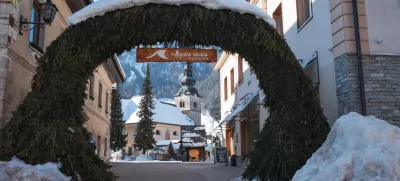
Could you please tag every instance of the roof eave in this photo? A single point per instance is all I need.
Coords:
(221, 61)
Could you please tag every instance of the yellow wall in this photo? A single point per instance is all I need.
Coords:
(98, 123)
(130, 128)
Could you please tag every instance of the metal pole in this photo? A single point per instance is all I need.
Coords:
(359, 58)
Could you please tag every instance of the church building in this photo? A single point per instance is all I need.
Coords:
(188, 100)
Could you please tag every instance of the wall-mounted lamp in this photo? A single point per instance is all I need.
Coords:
(379, 41)
(48, 10)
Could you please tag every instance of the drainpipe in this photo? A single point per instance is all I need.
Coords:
(359, 59)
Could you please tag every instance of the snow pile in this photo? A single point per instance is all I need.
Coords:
(116, 154)
(144, 158)
(164, 113)
(100, 7)
(18, 170)
(357, 148)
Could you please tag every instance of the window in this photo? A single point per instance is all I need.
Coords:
(304, 12)
(240, 69)
(181, 104)
(277, 15)
(100, 94)
(106, 107)
(195, 104)
(175, 133)
(232, 80)
(36, 34)
(167, 135)
(158, 132)
(105, 146)
(226, 88)
(91, 87)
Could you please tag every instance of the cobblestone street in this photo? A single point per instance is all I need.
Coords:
(174, 172)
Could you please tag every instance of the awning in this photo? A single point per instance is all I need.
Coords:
(243, 103)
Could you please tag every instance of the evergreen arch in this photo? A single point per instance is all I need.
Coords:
(47, 126)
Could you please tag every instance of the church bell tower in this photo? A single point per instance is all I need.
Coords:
(188, 99)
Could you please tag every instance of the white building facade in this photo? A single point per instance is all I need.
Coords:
(323, 36)
(241, 114)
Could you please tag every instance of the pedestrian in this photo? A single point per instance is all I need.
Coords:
(184, 155)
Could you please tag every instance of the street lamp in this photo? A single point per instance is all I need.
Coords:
(48, 10)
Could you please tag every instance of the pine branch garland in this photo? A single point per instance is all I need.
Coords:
(295, 129)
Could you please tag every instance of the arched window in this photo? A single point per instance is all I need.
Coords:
(175, 133)
(158, 132)
(181, 104)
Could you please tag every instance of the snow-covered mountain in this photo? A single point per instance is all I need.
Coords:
(166, 77)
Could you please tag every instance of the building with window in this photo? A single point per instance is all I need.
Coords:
(328, 44)
(18, 60)
(241, 114)
(168, 119)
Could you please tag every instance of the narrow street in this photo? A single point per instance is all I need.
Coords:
(174, 172)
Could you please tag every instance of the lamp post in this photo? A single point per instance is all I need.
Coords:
(48, 12)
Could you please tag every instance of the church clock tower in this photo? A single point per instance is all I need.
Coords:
(188, 99)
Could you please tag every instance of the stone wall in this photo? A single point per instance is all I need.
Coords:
(7, 33)
(382, 85)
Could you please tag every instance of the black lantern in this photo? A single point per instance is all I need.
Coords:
(48, 12)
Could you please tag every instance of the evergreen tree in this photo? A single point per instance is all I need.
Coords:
(144, 138)
(118, 139)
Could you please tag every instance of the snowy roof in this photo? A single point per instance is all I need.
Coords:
(164, 113)
(100, 7)
(357, 148)
(167, 100)
(166, 142)
(192, 137)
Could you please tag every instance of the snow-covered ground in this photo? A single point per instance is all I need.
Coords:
(17, 170)
(357, 148)
(100, 7)
(144, 158)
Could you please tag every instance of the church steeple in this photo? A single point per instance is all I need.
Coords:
(187, 79)
(188, 82)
